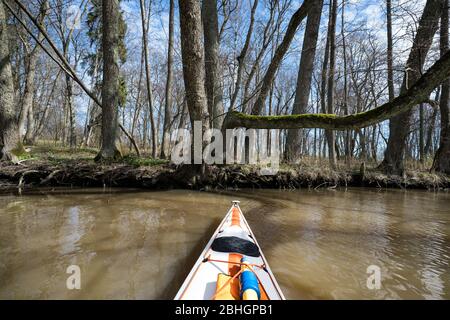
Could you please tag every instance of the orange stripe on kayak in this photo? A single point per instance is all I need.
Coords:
(235, 217)
(234, 268)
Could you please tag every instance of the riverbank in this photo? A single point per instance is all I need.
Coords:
(160, 176)
(57, 166)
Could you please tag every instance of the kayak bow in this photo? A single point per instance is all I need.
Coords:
(232, 266)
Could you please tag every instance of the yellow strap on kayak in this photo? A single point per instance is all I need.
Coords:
(230, 279)
(230, 289)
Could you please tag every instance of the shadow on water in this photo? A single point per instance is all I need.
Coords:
(185, 265)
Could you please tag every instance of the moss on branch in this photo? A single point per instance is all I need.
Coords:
(415, 95)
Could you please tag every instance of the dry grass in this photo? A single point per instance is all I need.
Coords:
(308, 172)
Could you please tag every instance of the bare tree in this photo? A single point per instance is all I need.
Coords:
(281, 50)
(110, 87)
(330, 93)
(390, 70)
(442, 159)
(168, 92)
(147, 78)
(400, 124)
(10, 144)
(302, 92)
(243, 54)
(214, 90)
(192, 51)
(26, 119)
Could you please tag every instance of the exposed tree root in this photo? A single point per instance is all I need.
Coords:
(88, 174)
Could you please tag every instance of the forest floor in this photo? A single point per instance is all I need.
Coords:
(51, 166)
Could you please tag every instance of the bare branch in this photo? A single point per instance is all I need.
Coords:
(418, 93)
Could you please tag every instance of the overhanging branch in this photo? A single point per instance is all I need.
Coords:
(415, 95)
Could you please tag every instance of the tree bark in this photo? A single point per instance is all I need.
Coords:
(421, 134)
(10, 143)
(168, 93)
(303, 89)
(416, 94)
(399, 125)
(193, 59)
(43, 118)
(26, 117)
(281, 50)
(324, 74)
(214, 90)
(348, 133)
(430, 131)
(70, 112)
(137, 106)
(390, 69)
(330, 93)
(110, 86)
(441, 162)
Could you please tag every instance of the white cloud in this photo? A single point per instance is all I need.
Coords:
(375, 16)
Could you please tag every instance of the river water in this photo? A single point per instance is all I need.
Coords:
(131, 244)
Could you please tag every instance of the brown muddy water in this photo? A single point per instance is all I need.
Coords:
(131, 244)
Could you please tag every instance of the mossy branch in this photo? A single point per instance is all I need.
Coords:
(415, 95)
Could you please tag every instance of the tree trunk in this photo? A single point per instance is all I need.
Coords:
(69, 105)
(243, 55)
(430, 131)
(110, 85)
(399, 125)
(421, 134)
(281, 50)
(93, 111)
(348, 133)
(441, 162)
(70, 112)
(28, 94)
(390, 70)
(148, 80)
(303, 89)
(168, 103)
(137, 106)
(192, 52)
(44, 116)
(330, 93)
(374, 143)
(184, 111)
(362, 144)
(10, 143)
(27, 115)
(324, 74)
(214, 90)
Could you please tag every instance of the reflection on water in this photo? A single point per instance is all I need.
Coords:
(140, 245)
